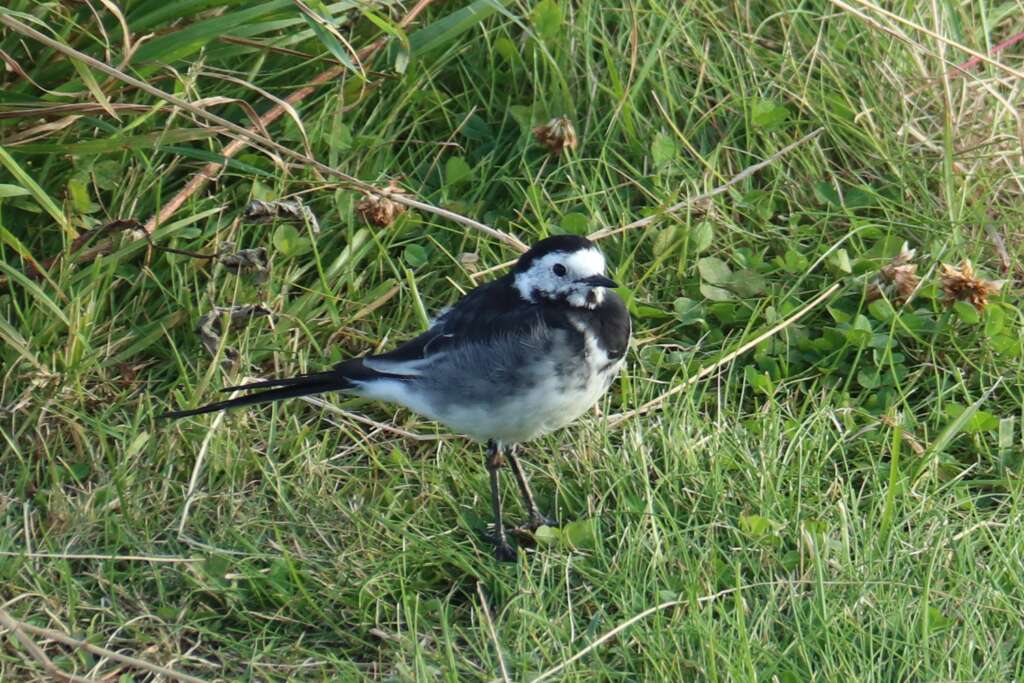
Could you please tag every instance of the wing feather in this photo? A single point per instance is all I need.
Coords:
(490, 311)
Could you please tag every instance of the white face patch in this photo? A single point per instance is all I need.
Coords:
(543, 281)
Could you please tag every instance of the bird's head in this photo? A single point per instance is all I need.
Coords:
(564, 268)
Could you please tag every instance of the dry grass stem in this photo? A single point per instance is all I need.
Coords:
(19, 628)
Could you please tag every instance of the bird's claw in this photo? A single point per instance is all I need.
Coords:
(526, 531)
(539, 520)
(503, 552)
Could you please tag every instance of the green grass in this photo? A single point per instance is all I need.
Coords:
(843, 502)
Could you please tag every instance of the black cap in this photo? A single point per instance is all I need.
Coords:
(559, 243)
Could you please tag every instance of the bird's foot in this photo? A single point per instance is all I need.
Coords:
(503, 552)
(535, 522)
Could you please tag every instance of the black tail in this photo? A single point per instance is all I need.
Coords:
(303, 385)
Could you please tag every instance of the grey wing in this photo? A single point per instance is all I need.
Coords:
(414, 356)
(478, 339)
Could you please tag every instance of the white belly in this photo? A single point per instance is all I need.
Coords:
(533, 413)
(545, 406)
(471, 394)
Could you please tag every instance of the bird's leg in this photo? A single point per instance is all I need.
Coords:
(536, 519)
(493, 461)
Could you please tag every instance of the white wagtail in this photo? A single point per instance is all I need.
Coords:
(514, 359)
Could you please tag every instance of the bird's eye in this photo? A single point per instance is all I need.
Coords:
(559, 270)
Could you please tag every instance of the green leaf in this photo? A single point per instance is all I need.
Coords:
(8, 238)
(761, 381)
(701, 237)
(838, 314)
(688, 311)
(1004, 344)
(642, 311)
(506, 48)
(761, 204)
(575, 224)
(840, 260)
(340, 138)
(546, 19)
(547, 536)
(107, 174)
(995, 319)
(827, 194)
(456, 171)
(415, 255)
(136, 446)
(12, 191)
(794, 262)
(1006, 433)
(527, 117)
(727, 313)
(581, 534)
(714, 270)
(402, 61)
(288, 241)
(747, 283)
(976, 422)
(768, 114)
(247, 163)
(716, 293)
(937, 621)
(665, 240)
(860, 322)
(859, 197)
(966, 312)
(476, 128)
(869, 379)
(78, 189)
(216, 566)
(756, 525)
(79, 471)
(663, 149)
(881, 309)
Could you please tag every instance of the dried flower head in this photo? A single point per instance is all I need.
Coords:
(557, 135)
(211, 328)
(961, 284)
(246, 261)
(897, 279)
(379, 209)
(287, 210)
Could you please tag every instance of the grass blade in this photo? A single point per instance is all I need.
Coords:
(443, 32)
(951, 431)
(94, 88)
(38, 193)
(328, 35)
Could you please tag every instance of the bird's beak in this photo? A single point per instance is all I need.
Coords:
(599, 281)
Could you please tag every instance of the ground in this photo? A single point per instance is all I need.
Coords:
(809, 469)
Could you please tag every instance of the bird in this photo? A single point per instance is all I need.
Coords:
(514, 359)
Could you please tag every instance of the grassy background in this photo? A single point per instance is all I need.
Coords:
(843, 502)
